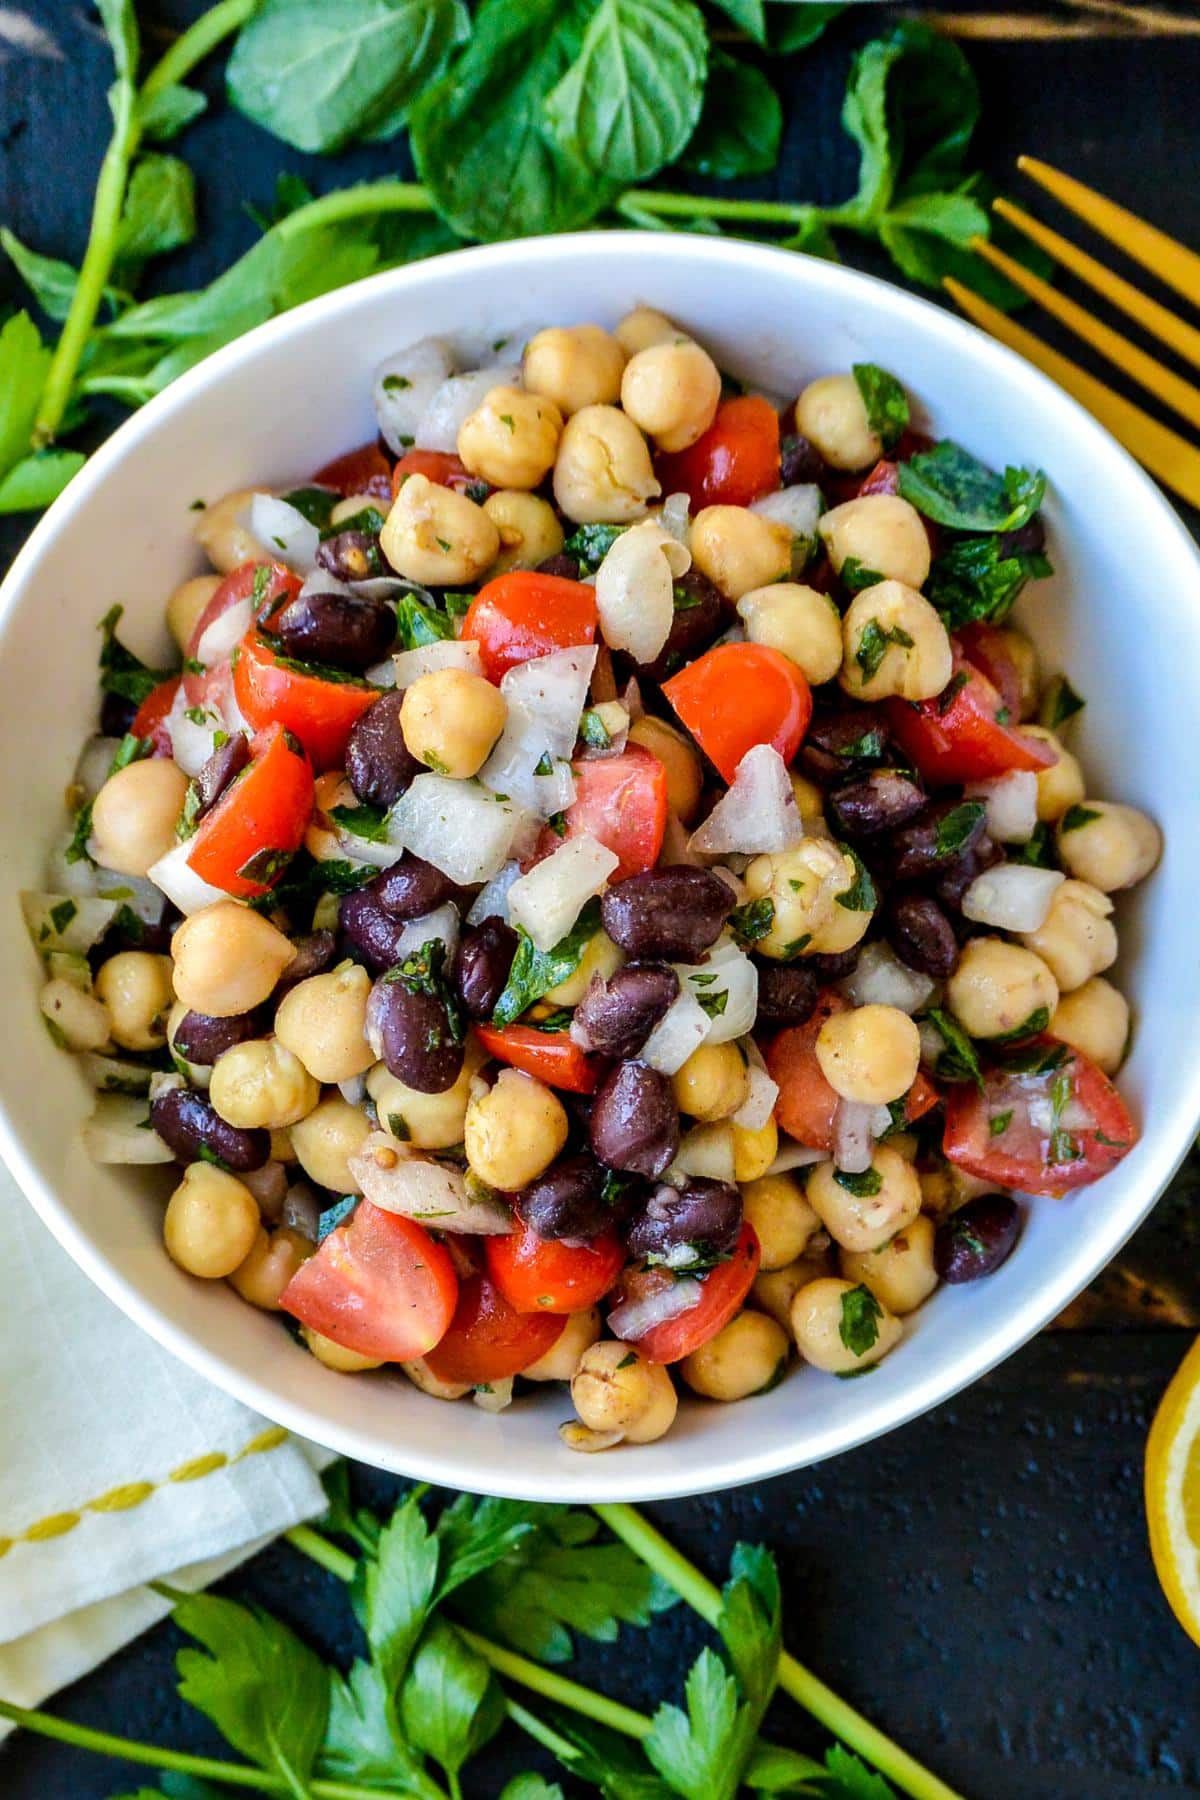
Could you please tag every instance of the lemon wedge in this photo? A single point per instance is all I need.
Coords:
(1173, 1493)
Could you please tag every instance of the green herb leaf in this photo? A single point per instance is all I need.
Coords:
(741, 123)
(854, 577)
(1060, 702)
(885, 401)
(450, 1704)
(1076, 817)
(855, 1781)
(955, 827)
(364, 821)
(860, 896)
(958, 1061)
(749, 14)
(1037, 1021)
(973, 579)
(874, 641)
(424, 972)
(49, 280)
(593, 731)
(121, 672)
(314, 504)
(531, 1787)
(23, 365)
(1038, 853)
(858, 1327)
(363, 1740)
(793, 27)
(954, 488)
(159, 214)
(752, 921)
(534, 972)
(36, 480)
(863, 1186)
(1036, 1059)
(590, 544)
(418, 624)
(999, 1123)
(398, 1587)
(714, 1004)
(691, 1750)
(163, 115)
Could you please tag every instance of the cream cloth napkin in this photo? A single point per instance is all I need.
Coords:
(118, 1466)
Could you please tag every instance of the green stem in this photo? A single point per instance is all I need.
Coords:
(348, 203)
(197, 42)
(841, 1719)
(715, 206)
(310, 1543)
(540, 1732)
(563, 1692)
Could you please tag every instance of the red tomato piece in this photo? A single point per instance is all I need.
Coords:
(921, 1098)
(244, 843)
(365, 470)
(739, 695)
(487, 1339)
(437, 466)
(378, 1284)
(725, 1288)
(150, 719)
(622, 802)
(320, 713)
(1058, 1127)
(957, 736)
(240, 584)
(523, 614)
(984, 648)
(807, 1104)
(883, 479)
(734, 462)
(545, 1275)
(550, 1055)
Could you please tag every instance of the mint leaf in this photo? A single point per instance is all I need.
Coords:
(535, 972)
(38, 479)
(418, 624)
(885, 401)
(954, 488)
(956, 826)
(159, 214)
(164, 115)
(741, 123)
(23, 365)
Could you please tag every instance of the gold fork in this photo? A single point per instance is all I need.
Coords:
(1168, 455)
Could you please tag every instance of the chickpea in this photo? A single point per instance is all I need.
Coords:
(323, 1022)
(135, 812)
(561, 1360)
(712, 1083)
(900, 1273)
(601, 957)
(135, 986)
(79, 1018)
(511, 438)
(643, 327)
(865, 1219)
(1061, 785)
(603, 473)
(740, 550)
(528, 527)
(326, 1138)
(797, 621)
(1111, 846)
(227, 958)
(894, 643)
(437, 537)
(707, 1150)
(685, 778)
(809, 798)
(944, 1188)
(336, 1356)
(451, 720)
(775, 1289)
(211, 1222)
(822, 1312)
(320, 836)
(186, 604)
(671, 392)
(261, 1085)
(999, 988)
(1077, 938)
(845, 927)
(747, 1356)
(575, 366)
(1024, 658)
(223, 536)
(614, 1388)
(754, 1150)
(281, 1148)
(270, 1264)
(782, 1218)
(832, 414)
(513, 1131)
(1095, 1020)
(350, 507)
(880, 532)
(869, 1054)
(423, 1377)
(426, 1121)
(802, 884)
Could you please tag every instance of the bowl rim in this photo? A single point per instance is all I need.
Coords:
(1028, 1316)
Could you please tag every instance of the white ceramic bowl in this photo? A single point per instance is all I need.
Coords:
(1122, 615)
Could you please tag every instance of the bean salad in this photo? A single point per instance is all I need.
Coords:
(605, 894)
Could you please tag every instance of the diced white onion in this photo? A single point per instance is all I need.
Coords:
(491, 902)
(380, 853)
(705, 1150)
(137, 892)
(853, 1143)
(459, 826)
(1044, 1116)
(675, 516)
(635, 586)
(455, 400)
(381, 674)
(399, 1181)
(758, 813)
(880, 979)
(881, 1122)
(404, 384)
(791, 1155)
(180, 883)
(74, 928)
(427, 659)
(798, 508)
(1011, 897)
(932, 1042)
(354, 1089)
(545, 698)
(494, 1396)
(1011, 802)
(442, 923)
(283, 531)
(95, 761)
(682, 1029)
(191, 738)
(221, 636)
(547, 901)
(75, 878)
(761, 1094)
(730, 972)
(633, 1320)
(118, 1132)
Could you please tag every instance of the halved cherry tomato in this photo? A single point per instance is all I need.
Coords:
(622, 802)
(739, 695)
(378, 1284)
(320, 713)
(1057, 1126)
(487, 1339)
(246, 582)
(365, 470)
(545, 1275)
(550, 1055)
(984, 648)
(807, 1104)
(957, 736)
(244, 843)
(150, 719)
(724, 1289)
(437, 466)
(523, 614)
(734, 462)
(921, 1098)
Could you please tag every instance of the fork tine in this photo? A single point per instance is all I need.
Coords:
(1156, 318)
(1167, 455)
(1162, 382)
(1170, 261)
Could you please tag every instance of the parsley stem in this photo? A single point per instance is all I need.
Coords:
(558, 1688)
(804, 1687)
(197, 42)
(310, 1543)
(540, 1732)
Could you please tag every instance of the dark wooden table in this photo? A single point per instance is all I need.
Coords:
(978, 1582)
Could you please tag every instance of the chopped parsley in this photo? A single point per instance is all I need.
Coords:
(885, 401)
(364, 821)
(854, 577)
(594, 731)
(874, 642)
(859, 1324)
(958, 1061)
(999, 1123)
(121, 672)
(860, 896)
(752, 921)
(957, 826)
(864, 1186)
(714, 1004)
(1077, 816)
(1060, 702)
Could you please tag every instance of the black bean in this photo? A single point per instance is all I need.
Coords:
(635, 1121)
(933, 844)
(880, 801)
(673, 913)
(314, 951)
(976, 1239)
(835, 965)
(222, 768)
(840, 740)
(414, 1035)
(704, 1216)
(200, 1038)
(984, 854)
(615, 1017)
(700, 615)
(921, 935)
(412, 887)
(352, 556)
(481, 968)
(347, 631)
(787, 992)
(190, 1125)
(116, 715)
(370, 932)
(799, 461)
(378, 761)
(561, 565)
(567, 1201)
